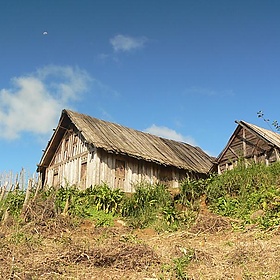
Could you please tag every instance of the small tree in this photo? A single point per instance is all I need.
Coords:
(274, 123)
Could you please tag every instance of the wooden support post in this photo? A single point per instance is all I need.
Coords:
(38, 187)
(65, 210)
(3, 191)
(26, 199)
(255, 159)
(244, 143)
(266, 159)
(244, 146)
(5, 216)
(276, 154)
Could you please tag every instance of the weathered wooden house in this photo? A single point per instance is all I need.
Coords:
(87, 151)
(251, 143)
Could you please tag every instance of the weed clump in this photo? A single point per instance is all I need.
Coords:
(245, 190)
(150, 205)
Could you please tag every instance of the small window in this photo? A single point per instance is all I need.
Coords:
(120, 168)
(55, 179)
(66, 148)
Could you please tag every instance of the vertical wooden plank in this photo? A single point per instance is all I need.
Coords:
(111, 169)
(102, 168)
(26, 199)
(276, 154)
(175, 179)
(128, 180)
(37, 187)
(98, 164)
(106, 168)
(244, 142)
(266, 159)
(88, 171)
(255, 159)
(3, 191)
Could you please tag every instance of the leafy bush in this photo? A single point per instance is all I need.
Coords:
(244, 190)
(192, 189)
(83, 203)
(105, 198)
(147, 204)
(237, 193)
(13, 201)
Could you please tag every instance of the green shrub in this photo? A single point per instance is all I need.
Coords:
(243, 190)
(13, 201)
(105, 198)
(82, 202)
(192, 189)
(181, 263)
(148, 204)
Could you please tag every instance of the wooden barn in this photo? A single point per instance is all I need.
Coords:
(86, 151)
(251, 143)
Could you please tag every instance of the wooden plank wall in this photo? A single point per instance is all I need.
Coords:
(250, 147)
(67, 161)
(100, 167)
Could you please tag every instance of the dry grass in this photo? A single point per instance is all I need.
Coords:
(60, 249)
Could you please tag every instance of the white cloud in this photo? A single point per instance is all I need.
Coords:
(34, 102)
(127, 43)
(168, 133)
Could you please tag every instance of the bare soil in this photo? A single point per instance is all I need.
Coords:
(59, 249)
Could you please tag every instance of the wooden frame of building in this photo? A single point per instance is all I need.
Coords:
(86, 151)
(251, 143)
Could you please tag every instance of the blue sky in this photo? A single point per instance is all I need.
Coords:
(181, 69)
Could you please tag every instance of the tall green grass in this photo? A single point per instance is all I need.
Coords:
(240, 192)
(150, 205)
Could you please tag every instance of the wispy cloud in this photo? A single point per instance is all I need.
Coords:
(122, 43)
(208, 92)
(34, 101)
(168, 133)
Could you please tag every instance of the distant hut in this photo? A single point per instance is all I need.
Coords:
(86, 151)
(251, 143)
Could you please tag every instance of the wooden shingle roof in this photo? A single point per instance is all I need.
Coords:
(268, 135)
(119, 139)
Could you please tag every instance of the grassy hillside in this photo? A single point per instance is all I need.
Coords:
(223, 227)
(251, 194)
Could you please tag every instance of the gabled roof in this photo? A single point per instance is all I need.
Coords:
(118, 139)
(268, 136)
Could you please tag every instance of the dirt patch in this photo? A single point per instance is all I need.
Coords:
(62, 249)
(207, 222)
(118, 255)
(145, 233)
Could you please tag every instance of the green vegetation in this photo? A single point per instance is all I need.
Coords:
(77, 224)
(181, 263)
(85, 203)
(12, 202)
(150, 205)
(250, 194)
